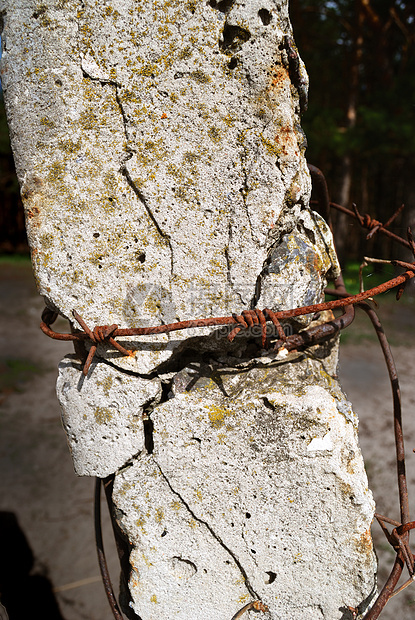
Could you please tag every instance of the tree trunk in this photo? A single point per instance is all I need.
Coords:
(162, 170)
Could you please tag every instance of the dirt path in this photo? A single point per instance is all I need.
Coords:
(46, 526)
(364, 379)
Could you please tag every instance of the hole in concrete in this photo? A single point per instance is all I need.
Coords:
(271, 577)
(268, 404)
(39, 12)
(253, 551)
(141, 257)
(58, 82)
(96, 235)
(232, 63)
(265, 16)
(197, 439)
(247, 515)
(164, 533)
(166, 393)
(223, 5)
(234, 37)
(182, 568)
(148, 435)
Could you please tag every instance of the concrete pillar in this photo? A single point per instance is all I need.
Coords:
(161, 161)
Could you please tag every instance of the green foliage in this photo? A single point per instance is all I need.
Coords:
(360, 57)
(371, 277)
(327, 35)
(15, 372)
(13, 259)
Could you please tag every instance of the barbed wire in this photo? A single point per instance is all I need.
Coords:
(398, 537)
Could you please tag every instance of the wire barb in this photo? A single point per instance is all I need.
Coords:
(257, 605)
(248, 318)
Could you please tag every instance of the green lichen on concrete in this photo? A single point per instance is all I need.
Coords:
(56, 172)
(47, 122)
(47, 240)
(215, 134)
(217, 415)
(103, 415)
(106, 384)
(200, 76)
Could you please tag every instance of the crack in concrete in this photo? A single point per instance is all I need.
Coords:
(229, 266)
(143, 200)
(215, 536)
(129, 463)
(129, 150)
(116, 86)
(245, 190)
(129, 154)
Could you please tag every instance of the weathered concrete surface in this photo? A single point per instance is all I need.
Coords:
(257, 483)
(160, 155)
(103, 415)
(162, 167)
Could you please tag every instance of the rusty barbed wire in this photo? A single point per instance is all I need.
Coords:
(102, 561)
(398, 538)
(105, 334)
(257, 605)
(371, 224)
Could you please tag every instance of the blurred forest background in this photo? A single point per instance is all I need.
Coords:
(360, 122)
(12, 228)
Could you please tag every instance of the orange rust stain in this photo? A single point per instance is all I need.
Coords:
(33, 212)
(32, 187)
(164, 115)
(279, 75)
(365, 541)
(287, 140)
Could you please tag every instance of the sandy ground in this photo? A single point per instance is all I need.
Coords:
(46, 512)
(48, 566)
